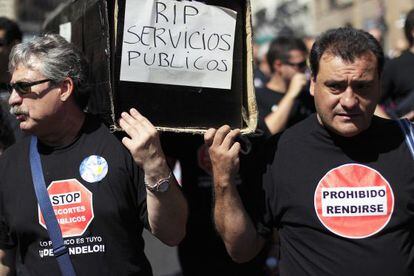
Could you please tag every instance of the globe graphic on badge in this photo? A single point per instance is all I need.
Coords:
(93, 168)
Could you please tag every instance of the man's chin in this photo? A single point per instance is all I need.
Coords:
(348, 129)
(26, 127)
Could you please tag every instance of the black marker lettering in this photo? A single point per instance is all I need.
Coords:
(225, 41)
(195, 63)
(145, 59)
(210, 39)
(172, 39)
(157, 12)
(189, 41)
(157, 36)
(163, 57)
(223, 61)
(130, 57)
(131, 32)
(195, 12)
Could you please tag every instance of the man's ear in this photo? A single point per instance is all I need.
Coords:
(66, 89)
(312, 86)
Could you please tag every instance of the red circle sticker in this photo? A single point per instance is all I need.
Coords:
(354, 201)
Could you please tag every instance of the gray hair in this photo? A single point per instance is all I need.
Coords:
(58, 58)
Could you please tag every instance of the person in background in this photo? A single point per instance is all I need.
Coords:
(6, 133)
(397, 98)
(309, 40)
(281, 102)
(261, 66)
(10, 35)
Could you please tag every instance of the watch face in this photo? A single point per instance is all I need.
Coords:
(163, 186)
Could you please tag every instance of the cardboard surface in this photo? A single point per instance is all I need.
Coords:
(97, 28)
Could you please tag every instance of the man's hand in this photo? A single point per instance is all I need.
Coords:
(230, 218)
(168, 210)
(224, 153)
(296, 85)
(144, 144)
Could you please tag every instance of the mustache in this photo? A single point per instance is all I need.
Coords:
(17, 110)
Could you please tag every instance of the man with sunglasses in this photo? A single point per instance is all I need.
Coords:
(101, 192)
(281, 101)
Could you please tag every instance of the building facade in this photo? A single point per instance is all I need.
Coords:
(8, 8)
(388, 15)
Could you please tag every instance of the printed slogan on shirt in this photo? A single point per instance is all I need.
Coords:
(72, 204)
(354, 201)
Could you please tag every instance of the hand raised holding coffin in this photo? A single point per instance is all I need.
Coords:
(224, 153)
(144, 144)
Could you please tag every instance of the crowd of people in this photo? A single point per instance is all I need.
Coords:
(326, 184)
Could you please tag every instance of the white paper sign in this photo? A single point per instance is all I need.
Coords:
(65, 30)
(179, 43)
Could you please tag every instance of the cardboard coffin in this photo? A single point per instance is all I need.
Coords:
(97, 28)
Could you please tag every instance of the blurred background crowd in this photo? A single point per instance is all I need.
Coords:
(271, 18)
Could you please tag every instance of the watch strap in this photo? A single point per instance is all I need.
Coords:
(156, 187)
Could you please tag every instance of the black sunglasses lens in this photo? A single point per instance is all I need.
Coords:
(300, 65)
(20, 87)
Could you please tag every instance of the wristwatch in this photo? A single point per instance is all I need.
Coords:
(161, 186)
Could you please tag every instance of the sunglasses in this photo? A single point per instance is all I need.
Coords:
(23, 87)
(300, 65)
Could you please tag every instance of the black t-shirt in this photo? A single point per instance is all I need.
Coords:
(260, 79)
(268, 100)
(343, 206)
(202, 252)
(99, 199)
(398, 81)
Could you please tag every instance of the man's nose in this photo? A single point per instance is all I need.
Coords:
(15, 98)
(349, 99)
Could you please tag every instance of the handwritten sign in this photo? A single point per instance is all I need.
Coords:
(179, 43)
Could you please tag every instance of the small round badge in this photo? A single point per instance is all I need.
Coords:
(93, 168)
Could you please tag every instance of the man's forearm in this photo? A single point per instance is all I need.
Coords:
(277, 120)
(232, 221)
(167, 213)
(235, 226)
